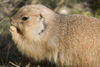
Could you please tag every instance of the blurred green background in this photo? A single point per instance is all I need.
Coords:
(8, 52)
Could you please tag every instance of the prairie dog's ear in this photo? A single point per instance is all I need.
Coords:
(40, 18)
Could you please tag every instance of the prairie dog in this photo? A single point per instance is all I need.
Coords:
(70, 41)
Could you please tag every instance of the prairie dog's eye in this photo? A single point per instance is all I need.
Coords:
(25, 18)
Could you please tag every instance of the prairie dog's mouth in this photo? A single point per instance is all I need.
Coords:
(15, 27)
(18, 30)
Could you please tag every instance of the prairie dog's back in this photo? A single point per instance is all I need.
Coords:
(81, 37)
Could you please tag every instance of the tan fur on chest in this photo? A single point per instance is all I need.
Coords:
(72, 40)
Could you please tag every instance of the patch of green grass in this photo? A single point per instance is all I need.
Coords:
(4, 26)
(96, 8)
(97, 13)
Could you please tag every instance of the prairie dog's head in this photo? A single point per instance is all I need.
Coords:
(32, 19)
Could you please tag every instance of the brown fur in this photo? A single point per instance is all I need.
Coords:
(72, 40)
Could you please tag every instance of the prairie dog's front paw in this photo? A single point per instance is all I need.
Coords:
(13, 30)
